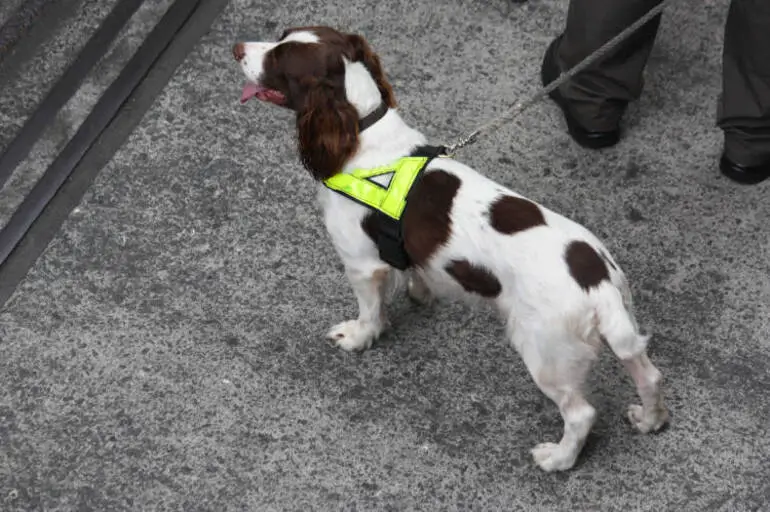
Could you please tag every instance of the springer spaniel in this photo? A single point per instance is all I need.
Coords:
(556, 286)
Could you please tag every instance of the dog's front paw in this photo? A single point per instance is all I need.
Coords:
(553, 457)
(353, 335)
(647, 421)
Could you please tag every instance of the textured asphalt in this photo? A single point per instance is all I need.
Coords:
(166, 351)
(17, 17)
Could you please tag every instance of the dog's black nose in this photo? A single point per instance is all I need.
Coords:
(239, 51)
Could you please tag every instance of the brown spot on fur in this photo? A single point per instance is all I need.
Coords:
(474, 278)
(379, 281)
(380, 275)
(426, 222)
(585, 265)
(510, 214)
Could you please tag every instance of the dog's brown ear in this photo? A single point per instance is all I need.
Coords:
(362, 52)
(327, 128)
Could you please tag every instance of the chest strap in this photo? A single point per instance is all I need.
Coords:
(388, 202)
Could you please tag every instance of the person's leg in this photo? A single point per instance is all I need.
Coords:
(744, 106)
(594, 101)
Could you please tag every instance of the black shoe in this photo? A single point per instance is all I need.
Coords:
(589, 139)
(748, 175)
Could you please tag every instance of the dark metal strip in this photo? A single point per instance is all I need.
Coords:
(97, 121)
(65, 87)
(49, 222)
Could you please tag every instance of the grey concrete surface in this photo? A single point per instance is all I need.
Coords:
(19, 19)
(7, 8)
(166, 352)
(34, 82)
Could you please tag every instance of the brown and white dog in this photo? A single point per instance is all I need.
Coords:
(553, 282)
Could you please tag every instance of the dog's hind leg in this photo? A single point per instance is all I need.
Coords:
(417, 290)
(652, 414)
(559, 364)
(619, 329)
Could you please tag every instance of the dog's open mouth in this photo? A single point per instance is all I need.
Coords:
(252, 90)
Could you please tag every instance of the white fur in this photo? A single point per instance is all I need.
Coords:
(554, 324)
(254, 53)
(360, 88)
(253, 57)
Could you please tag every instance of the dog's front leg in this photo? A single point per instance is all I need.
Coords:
(359, 334)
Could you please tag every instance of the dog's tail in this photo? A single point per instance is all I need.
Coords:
(616, 323)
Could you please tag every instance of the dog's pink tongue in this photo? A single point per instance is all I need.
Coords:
(249, 91)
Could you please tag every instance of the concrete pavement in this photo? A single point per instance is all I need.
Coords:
(166, 353)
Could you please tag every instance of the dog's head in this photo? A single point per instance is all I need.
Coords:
(330, 79)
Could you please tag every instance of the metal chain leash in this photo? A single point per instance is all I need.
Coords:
(522, 105)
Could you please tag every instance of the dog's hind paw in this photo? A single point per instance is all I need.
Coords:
(650, 421)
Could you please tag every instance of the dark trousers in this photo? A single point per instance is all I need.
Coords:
(598, 96)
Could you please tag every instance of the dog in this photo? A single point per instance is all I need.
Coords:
(555, 285)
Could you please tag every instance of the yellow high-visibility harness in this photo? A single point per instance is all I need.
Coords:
(389, 202)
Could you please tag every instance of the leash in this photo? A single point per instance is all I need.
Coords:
(521, 105)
